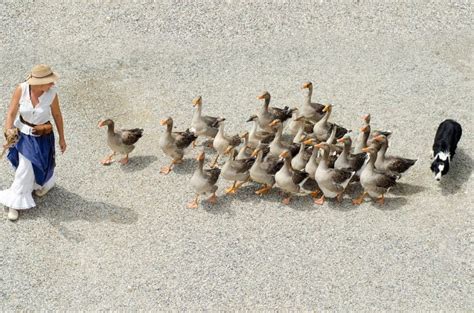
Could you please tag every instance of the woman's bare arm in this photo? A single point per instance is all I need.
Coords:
(13, 108)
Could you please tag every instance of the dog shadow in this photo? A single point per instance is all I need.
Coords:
(138, 163)
(459, 173)
(61, 206)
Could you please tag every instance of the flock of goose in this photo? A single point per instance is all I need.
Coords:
(319, 161)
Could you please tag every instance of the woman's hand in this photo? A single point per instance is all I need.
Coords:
(62, 145)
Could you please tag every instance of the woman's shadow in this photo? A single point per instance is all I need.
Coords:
(61, 205)
(459, 173)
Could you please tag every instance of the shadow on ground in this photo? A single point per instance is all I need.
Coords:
(61, 205)
(459, 173)
(138, 163)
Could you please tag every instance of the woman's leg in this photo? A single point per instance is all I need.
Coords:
(18, 196)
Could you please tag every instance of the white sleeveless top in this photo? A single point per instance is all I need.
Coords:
(34, 115)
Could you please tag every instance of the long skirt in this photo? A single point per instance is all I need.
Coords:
(34, 160)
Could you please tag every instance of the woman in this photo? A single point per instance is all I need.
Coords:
(33, 156)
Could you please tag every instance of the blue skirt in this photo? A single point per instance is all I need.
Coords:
(39, 151)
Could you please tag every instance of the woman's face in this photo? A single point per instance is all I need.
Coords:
(44, 87)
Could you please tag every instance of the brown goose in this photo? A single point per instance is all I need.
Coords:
(204, 181)
(264, 169)
(390, 163)
(203, 125)
(244, 151)
(310, 110)
(236, 170)
(332, 182)
(277, 146)
(322, 129)
(173, 144)
(289, 179)
(256, 136)
(222, 141)
(121, 141)
(267, 114)
(298, 123)
(362, 138)
(375, 182)
(347, 160)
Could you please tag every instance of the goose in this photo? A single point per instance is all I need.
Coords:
(204, 181)
(375, 182)
(120, 141)
(174, 143)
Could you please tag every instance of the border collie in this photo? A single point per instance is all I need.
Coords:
(444, 147)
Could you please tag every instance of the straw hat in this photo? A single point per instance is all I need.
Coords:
(42, 74)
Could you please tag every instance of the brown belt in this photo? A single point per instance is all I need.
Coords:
(30, 124)
(39, 130)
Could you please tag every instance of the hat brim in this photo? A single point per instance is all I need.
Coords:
(44, 80)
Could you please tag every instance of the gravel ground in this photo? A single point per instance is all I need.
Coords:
(122, 238)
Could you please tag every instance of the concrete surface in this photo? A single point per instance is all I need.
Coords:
(111, 238)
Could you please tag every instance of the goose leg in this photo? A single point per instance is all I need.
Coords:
(166, 169)
(108, 159)
(124, 160)
(214, 162)
(212, 199)
(264, 190)
(286, 200)
(339, 197)
(381, 200)
(194, 204)
(231, 189)
(359, 199)
(319, 201)
(314, 194)
(240, 184)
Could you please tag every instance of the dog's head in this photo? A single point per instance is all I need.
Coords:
(440, 165)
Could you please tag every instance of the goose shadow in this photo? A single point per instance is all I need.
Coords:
(61, 205)
(406, 189)
(138, 163)
(459, 173)
(186, 167)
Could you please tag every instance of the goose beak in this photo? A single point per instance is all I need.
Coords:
(327, 107)
(306, 85)
(365, 117)
(163, 122)
(318, 145)
(363, 129)
(274, 122)
(284, 154)
(378, 138)
(340, 139)
(366, 149)
(197, 101)
(228, 150)
(200, 156)
(101, 124)
(260, 97)
(254, 153)
(308, 141)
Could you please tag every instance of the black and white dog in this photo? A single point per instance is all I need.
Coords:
(446, 140)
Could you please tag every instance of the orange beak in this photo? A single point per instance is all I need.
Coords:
(342, 139)
(101, 123)
(255, 152)
(284, 154)
(228, 150)
(274, 122)
(308, 141)
(305, 86)
(327, 107)
(364, 129)
(163, 122)
(378, 138)
(261, 97)
(200, 156)
(318, 145)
